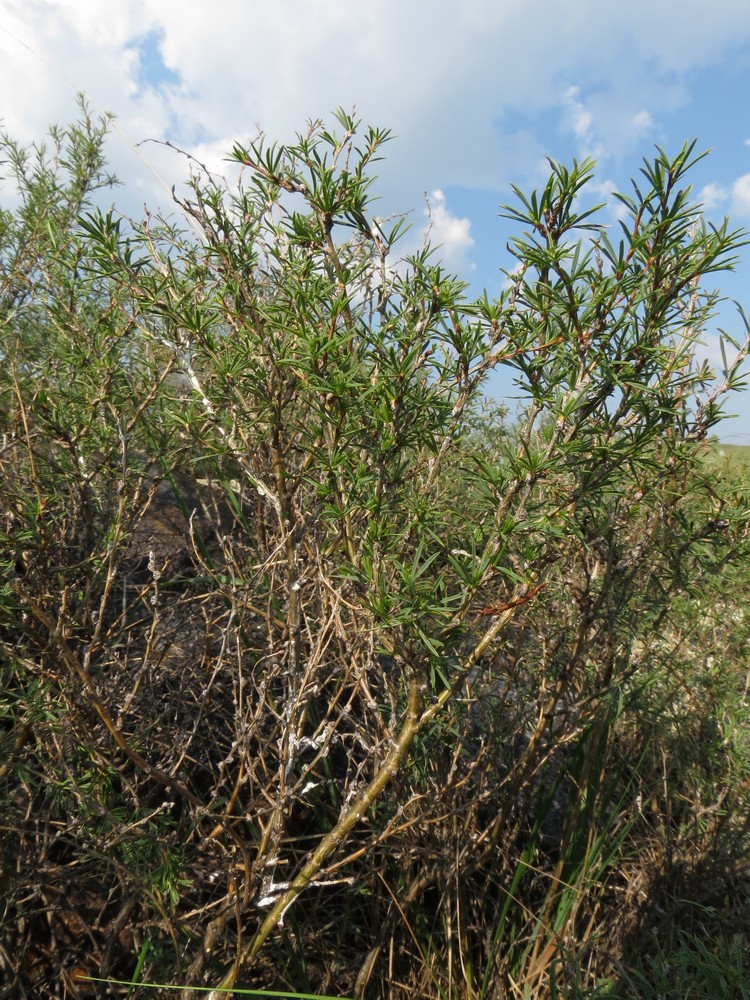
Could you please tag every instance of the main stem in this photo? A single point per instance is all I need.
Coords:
(349, 818)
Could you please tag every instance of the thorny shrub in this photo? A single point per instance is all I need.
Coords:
(315, 674)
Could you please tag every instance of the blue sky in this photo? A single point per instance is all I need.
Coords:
(478, 93)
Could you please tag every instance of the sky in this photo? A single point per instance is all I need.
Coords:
(478, 93)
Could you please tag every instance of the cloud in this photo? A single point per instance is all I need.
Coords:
(741, 195)
(580, 121)
(451, 233)
(472, 91)
(604, 121)
(712, 195)
(642, 121)
(604, 191)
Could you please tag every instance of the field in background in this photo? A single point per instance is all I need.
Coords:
(737, 454)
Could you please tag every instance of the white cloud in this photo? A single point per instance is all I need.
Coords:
(603, 121)
(445, 77)
(712, 195)
(741, 195)
(605, 190)
(451, 233)
(579, 119)
(642, 121)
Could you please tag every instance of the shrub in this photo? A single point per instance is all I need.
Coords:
(314, 676)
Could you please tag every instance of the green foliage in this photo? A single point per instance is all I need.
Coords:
(696, 969)
(291, 611)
